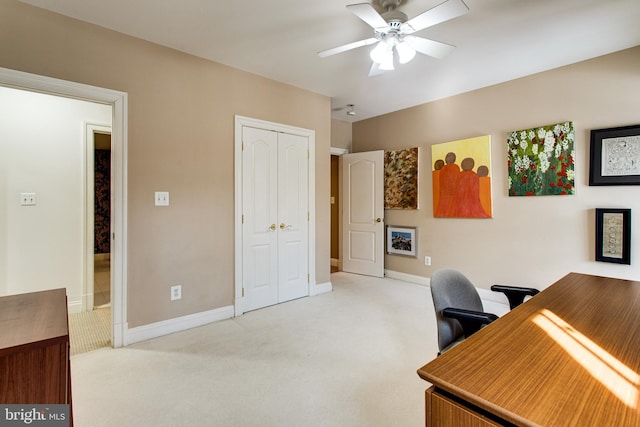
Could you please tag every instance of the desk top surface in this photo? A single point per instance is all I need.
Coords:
(33, 319)
(570, 356)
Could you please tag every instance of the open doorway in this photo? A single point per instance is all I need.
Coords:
(50, 194)
(91, 328)
(102, 219)
(336, 212)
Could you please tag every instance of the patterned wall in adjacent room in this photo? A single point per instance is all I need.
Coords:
(102, 201)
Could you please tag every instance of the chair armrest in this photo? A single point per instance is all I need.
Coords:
(515, 294)
(471, 321)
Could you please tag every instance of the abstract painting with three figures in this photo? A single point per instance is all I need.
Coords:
(462, 178)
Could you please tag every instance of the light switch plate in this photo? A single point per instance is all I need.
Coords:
(27, 199)
(162, 198)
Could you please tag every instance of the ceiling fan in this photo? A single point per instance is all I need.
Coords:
(393, 30)
(349, 107)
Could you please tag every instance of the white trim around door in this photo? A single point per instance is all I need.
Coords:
(335, 151)
(240, 123)
(88, 291)
(118, 101)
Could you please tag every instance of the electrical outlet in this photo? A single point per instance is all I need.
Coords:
(427, 260)
(176, 292)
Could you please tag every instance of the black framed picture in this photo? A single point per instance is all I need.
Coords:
(613, 235)
(615, 156)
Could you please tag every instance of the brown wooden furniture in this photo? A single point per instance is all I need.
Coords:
(568, 357)
(34, 349)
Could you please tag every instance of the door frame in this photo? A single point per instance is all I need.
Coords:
(118, 101)
(240, 122)
(335, 151)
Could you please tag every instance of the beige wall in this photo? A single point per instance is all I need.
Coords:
(181, 130)
(530, 240)
(341, 134)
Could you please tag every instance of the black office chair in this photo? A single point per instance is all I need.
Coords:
(459, 311)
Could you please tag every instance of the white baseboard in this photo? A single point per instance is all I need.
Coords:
(74, 306)
(158, 329)
(418, 280)
(493, 302)
(322, 288)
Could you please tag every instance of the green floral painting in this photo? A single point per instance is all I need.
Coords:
(541, 161)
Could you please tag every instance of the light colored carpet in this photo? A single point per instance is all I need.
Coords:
(90, 330)
(345, 358)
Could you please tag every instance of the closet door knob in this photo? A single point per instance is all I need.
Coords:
(378, 219)
(273, 227)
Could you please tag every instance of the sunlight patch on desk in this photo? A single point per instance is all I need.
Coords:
(622, 381)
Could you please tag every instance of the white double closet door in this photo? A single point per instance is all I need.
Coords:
(275, 206)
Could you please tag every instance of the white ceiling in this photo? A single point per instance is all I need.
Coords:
(497, 40)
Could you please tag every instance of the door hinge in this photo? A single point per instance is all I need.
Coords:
(308, 279)
(243, 218)
(242, 292)
(308, 216)
(113, 236)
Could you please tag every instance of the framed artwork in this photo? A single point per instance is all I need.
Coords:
(615, 156)
(541, 161)
(613, 235)
(401, 179)
(461, 177)
(402, 241)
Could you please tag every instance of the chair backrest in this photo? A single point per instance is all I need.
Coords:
(450, 288)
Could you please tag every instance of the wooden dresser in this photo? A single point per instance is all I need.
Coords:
(34, 349)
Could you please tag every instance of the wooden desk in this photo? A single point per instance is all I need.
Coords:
(568, 357)
(34, 349)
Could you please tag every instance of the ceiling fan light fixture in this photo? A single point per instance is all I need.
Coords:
(380, 52)
(393, 29)
(350, 110)
(406, 52)
(387, 62)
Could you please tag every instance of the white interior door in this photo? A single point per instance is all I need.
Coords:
(275, 198)
(260, 214)
(363, 213)
(293, 217)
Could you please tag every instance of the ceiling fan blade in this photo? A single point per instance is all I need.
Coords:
(368, 14)
(375, 70)
(431, 47)
(347, 47)
(443, 12)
